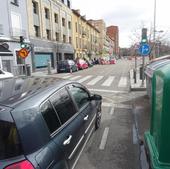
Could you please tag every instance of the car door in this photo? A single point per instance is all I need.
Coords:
(71, 134)
(86, 107)
(51, 155)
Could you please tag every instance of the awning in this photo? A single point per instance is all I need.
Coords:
(5, 52)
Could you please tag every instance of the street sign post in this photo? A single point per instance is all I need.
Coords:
(144, 50)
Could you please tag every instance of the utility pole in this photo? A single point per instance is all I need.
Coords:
(154, 30)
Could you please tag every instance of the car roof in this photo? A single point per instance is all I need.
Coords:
(30, 89)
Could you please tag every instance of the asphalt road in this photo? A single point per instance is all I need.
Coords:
(125, 117)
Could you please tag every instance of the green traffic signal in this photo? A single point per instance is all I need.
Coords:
(144, 35)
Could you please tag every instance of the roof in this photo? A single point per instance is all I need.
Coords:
(17, 90)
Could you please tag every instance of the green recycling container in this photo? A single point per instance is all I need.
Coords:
(157, 139)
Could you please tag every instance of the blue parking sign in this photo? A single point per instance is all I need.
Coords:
(144, 49)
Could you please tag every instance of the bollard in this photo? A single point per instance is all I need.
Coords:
(49, 67)
(134, 75)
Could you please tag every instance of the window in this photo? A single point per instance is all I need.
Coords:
(50, 117)
(37, 31)
(77, 42)
(9, 140)
(64, 38)
(80, 96)
(68, 3)
(63, 21)
(56, 18)
(76, 27)
(47, 14)
(15, 2)
(69, 24)
(63, 105)
(57, 36)
(35, 7)
(48, 34)
(70, 40)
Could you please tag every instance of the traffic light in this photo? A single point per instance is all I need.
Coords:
(144, 35)
(22, 43)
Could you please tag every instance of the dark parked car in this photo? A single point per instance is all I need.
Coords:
(66, 66)
(45, 122)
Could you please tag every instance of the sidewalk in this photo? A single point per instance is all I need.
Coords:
(138, 85)
(45, 73)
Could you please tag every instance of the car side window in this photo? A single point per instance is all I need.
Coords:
(80, 95)
(63, 105)
(50, 117)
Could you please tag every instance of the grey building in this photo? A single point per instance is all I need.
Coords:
(13, 24)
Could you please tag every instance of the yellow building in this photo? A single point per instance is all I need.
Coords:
(85, 37)
(50, 31)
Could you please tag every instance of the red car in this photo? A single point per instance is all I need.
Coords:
(112, 61)
(82, 64)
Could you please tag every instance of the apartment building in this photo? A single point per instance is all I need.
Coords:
(13, 24)
(113, 32)
(101, 26)
(85, 37)
(50, 31)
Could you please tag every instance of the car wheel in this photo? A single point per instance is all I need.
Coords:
(98, 118)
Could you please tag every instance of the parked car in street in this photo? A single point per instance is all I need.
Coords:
(112, 61)
(66, 66)
(5, 75)
(82, 64)
(45, 122)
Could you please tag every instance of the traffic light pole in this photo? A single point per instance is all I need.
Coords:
(143, 65)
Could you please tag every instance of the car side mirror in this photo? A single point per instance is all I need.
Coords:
(95, 97)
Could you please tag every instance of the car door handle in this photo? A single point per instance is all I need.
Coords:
(66, 142)
(86, 118)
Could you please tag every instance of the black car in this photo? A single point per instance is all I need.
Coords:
(45, 122)
(66, 66)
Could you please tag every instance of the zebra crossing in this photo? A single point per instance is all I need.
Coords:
(103, 81)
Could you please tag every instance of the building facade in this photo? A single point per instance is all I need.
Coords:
(85, 37)
(13, 24)
(50, 32)
(103, 41)
(113, 32)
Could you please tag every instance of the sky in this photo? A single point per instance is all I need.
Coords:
(128, 15)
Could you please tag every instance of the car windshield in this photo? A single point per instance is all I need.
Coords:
(63, 62)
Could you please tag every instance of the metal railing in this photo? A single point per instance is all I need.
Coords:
(22, 70)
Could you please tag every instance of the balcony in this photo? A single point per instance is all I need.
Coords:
(16, 32)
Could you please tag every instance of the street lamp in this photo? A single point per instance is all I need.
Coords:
(154, 28)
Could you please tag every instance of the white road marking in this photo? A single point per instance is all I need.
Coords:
(84, 79)
(123, 82)
(75, 77)
(95, 80)
(112, 111)
(66, 77)
(104, 138)
(105, 104)
(108, 91)
(135, 138)
(108, 81)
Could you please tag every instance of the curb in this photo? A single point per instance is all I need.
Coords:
(136, 86)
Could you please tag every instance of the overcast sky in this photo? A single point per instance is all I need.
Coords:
(128, 15)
